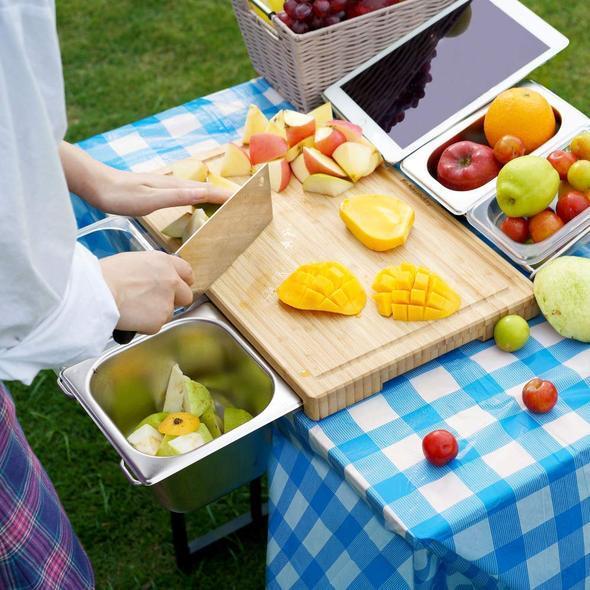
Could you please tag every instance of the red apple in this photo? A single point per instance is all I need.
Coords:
(279, 172)
(327, 139)
(351, 131)
(539, 396)
(317, 163)
(508, 148)
(561, 161)
(516, 228)
(265, 147)
(299, 168)
(571, 204)
(466, 165)
(298, 126)
(440, 447)
(544, 224)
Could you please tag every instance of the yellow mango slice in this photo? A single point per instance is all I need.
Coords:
(380, 222)
(323, 286)
(413, 294)
(179, 423)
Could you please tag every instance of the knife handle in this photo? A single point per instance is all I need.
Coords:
(123, 336)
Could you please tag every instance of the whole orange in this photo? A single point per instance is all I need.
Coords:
(521, 112)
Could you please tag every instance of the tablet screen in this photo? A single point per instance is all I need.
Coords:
(441, 70)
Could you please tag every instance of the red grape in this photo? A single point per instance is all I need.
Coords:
(331, 20)
(284, 17)
(299, 27)
(289, 7)
(303, 12)
(321, 7)
(316, 22)
(338, 5)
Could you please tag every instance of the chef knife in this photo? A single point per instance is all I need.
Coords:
(213, 248)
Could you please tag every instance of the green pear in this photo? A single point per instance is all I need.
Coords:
(175, 390)
(165, 450)
(562, 290)
(234, 417)
(196, 398)
(209, 419)
(154, 420)
(526, 186)
(146, 439)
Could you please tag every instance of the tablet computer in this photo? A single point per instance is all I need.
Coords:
(442, 71)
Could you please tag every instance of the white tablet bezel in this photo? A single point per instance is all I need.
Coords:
(390, 150)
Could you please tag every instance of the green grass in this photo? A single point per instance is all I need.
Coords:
(123, 61)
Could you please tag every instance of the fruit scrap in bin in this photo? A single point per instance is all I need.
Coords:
(412, 293)
(323, 286)
(380, 222)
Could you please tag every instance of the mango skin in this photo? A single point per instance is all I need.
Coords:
(562, 290)
(379, 222)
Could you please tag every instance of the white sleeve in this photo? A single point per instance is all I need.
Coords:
(78, 329)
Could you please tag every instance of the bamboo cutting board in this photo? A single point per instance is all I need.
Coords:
(333, 361)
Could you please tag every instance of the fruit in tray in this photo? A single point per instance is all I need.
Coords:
(413, 293)
(530, 179)
(517, 122)
(380, 222)
(189, 419)
(467, 165)
(302, 16)
(521, 112)
(526, 186)
(562, 290)
(323, 286)
(580, 146)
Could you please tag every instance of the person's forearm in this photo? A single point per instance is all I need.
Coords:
(84, 174)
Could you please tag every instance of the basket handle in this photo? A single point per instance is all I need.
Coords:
(262, 7)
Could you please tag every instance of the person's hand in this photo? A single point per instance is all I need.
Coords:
(147, 286)
(128, 193)
(134, 194)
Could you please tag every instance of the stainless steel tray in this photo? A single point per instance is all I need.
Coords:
(420, 165)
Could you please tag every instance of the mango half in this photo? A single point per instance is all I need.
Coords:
(323, 286)
(380, 222)
(413, 293)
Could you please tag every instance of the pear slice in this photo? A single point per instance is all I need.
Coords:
(190, 442)
(174, 391)
(234, 417)
(209, 418)
(146, 439)
(196, 398)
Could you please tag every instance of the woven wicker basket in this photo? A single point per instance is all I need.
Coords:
(301, 67)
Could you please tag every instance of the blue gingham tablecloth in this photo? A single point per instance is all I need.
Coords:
(353, 503)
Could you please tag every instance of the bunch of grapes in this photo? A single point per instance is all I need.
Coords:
(302, 16)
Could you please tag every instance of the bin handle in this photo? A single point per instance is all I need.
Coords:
(130, 477)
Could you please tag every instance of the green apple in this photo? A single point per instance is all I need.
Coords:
(511, 333)
(526, 186)
(196, 398)
(562, 290)
(578, 175)
(234, 417)
(154, 420)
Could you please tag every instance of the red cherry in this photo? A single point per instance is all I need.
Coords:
(571, 204)
(516, 228)
(539, 396)
(561, 161)
(440, 447)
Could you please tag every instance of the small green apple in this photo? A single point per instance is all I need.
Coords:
(580, 145)
(511, 333)
(234, 417)
(578, 175)
(526, 186)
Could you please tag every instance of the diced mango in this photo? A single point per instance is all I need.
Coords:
(411, 293)
(380, 222)
(323, 286)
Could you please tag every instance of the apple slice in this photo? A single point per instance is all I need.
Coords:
(265, 147)
(326, 185)
(299, 168)
(322, 114)
(327, 139)
(276, 125)
(298, 126)
(317, 163)
(220, 182)
(298, 148)
(256, 122)
(176, 228)
(351, 131)
(190, 170)
(355, 159)
(376, 160)
(279, 172)
(235, 162)
(198, 219)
